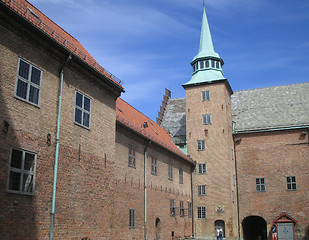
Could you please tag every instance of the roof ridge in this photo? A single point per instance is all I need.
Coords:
(285, 85)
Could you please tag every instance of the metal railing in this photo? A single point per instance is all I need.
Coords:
(19, 7)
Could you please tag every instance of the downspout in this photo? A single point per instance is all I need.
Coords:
(236, 179)
(145, 190)
(192, 214)
(57, 149)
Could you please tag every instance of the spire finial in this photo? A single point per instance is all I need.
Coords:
(203, 3)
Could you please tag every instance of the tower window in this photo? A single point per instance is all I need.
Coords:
(202, 168)
(201, 64)
(212, 63)
(201, 145)
(205, 95)
(217, 65)
(207, 63)
(201, 212)
(201, 190)
(207, 119)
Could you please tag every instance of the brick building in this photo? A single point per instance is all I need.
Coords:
(76, 161)
(251, 149)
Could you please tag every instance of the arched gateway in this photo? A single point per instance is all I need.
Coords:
(254, 228)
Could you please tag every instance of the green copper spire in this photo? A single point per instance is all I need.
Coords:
(207, 64)
(206, 45)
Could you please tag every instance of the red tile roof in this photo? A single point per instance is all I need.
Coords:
(47, 26)
(138, 122)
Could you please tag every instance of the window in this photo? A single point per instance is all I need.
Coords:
(172, 208)
(202, 168)
(233, 196)
(207, 119)
(201, 212)
(260, 184)
(181, 209)
(189, 209)
(201, 190)
(180, 175)
(205, 95)
(200, 145)
(131, 218)
(82, 109)
(132, 156)
(28, 82)
(21, 177)
(291, 183)
(170, 172)
(154, 165)
(207, 63)
(217, 65)
(201, 64)
(212, 63)
(232, 152)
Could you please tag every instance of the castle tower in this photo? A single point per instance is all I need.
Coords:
(210, 142)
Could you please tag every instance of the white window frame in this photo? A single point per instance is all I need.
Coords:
(181, 209)
(291, 183)
(260, 184)
(207, 119)
(201, 145)
(180, 175)
(201, 212)
(28, 82)
(154, 166)
(131, 156)
(206, 95)
(201, 190)
(202, 168)
(22, 171)
(131, 218)
(83, 110)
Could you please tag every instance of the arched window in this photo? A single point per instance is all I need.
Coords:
(207, 63)
(201, 64)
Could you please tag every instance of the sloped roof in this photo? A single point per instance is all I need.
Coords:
(261, 109)
(31, 14)
(135, 120)
(271, 108)
(174, 119)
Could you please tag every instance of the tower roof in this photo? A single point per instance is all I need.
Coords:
(206, 46)
(207, 64)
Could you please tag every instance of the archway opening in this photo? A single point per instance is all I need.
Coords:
(254, 228)
(219, 224)
(158, 228)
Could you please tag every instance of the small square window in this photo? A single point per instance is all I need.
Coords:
(205, 95)
(154, 165)
(180, 176)
(291, 183)
(201, 190)
(131, 156)
(260, 184)
(22, 167)
(131, 218)
(82, 110)
(201, 145)
(202, 168)
(207, 119)
(201, 212)
(28, 82)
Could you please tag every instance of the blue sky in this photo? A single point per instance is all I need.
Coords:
(149, 44)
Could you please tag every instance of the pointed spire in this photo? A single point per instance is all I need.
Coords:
(207, 64)
(206, 45)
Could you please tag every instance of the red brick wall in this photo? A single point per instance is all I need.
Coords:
(274, 155)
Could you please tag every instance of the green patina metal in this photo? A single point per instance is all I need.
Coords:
(206, 52)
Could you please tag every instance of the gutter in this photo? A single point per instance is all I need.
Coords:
(57, 149)
(270, 129)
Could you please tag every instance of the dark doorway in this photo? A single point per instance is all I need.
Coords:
(219, 224)
(158, 228)
(254, 228)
